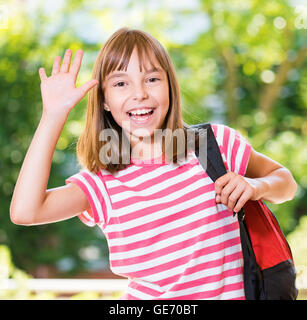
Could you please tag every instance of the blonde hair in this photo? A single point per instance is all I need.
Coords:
(115, 55)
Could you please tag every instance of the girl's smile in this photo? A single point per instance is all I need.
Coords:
(141, 115)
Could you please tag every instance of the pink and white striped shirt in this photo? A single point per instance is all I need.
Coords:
(164, 230)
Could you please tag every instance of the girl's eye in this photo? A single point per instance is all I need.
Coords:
(119, 84)
(153, 79)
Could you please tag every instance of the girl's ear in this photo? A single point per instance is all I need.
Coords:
(106, 107)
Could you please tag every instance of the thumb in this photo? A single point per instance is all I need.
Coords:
(87, 86)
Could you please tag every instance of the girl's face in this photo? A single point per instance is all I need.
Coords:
(132, 91)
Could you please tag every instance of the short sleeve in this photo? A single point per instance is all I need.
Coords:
(234, 147)
(94, 188)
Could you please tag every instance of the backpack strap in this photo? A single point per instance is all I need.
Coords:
(215, 165)
(215, 168)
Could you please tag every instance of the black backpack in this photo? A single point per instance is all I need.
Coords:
(268, 270)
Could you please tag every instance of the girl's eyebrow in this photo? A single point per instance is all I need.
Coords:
(120, 74)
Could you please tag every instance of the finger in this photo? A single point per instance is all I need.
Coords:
(241, 202)
(66, 61)
(56, 65)
(234, 197)
(42, 74)
(218, 199)
(77, 63)
(221, 182)
(227, 191)
(87, 86)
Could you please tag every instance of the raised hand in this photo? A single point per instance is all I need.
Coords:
(59, 92)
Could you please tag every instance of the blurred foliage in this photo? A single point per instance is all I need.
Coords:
(9, 271)
(239, 63)
(297, 240)
(22, 291)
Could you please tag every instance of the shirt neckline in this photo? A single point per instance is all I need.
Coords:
(152, 161)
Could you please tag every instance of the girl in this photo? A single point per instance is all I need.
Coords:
(169, 228)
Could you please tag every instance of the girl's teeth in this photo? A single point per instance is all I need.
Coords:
(141, 117)
(141, 113)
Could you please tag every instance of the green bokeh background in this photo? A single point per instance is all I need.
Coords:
(241, 63)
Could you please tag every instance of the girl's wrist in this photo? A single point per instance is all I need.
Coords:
(54, 116)
(261, 188)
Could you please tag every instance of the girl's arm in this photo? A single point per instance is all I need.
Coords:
(31, 203)
(275, 182)
(264, 179)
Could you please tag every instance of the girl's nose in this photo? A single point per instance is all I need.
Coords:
(140, 93)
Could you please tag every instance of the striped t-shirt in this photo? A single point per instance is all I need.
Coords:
(164, 230)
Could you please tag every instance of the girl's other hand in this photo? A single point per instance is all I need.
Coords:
(234, 190)
(59, 92)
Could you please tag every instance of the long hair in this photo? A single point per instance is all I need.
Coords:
(115, 55)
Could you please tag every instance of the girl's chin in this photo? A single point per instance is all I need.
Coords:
(139, 132)
(141, 135)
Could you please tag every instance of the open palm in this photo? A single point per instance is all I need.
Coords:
(59, 92)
